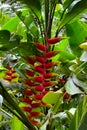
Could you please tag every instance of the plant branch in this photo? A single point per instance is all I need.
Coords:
(13, 103)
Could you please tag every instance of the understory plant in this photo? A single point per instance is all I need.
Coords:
(43, 75)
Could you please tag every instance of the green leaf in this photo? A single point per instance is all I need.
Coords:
(32, 3)
(11, 24)
(67, 3)
(75, 11)
(17, 124)
(4, 36)
(83, 125)
(66, 56)
(71, 88)
(77, 33)
(80, 116)
(51, 97)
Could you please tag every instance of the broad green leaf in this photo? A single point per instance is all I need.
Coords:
(51, 97)
(31, 3)
(66, 56)
(67, 3)
(11, 25)
(4, 36)
(71, 88)
(16, 124)
(83, 125)
(75, 11)
(81, 84)
(77, 33)
(80, 116)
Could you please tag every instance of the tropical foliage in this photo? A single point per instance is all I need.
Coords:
(43, 61)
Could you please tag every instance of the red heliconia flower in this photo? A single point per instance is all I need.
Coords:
(53, 40)
(39, 69)
(34, 122)
(51, 54)
(28, 82)
(9, 67)
(35, 105)
(40, 59)
(39, 88)
(46, 84)
(49, 65)
(45, 92)
(30, 60)
(12, 70)
(9, 78)
(47, 75)
(38, 96)
(27, 109)
(39, 79)
(27, 100)
(29, 72)
(41, 47)
(9, 73)
(14, 76)
(28, 92)
(36, 114)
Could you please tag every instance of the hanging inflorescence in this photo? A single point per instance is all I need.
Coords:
(40, 79)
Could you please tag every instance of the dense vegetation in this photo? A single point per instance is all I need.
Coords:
(43, 64)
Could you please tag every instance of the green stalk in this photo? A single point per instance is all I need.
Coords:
(15, 106)
(46, 2)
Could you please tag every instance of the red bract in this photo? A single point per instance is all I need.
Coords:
(41, 47)
(12, 70)
(34, 122)
(49, 65)
(51, 54)
(47, 75)
(28, 92)
(9, 78)
(30, 60)
(39, 69)
(35, 105)
(40, 59)
(46, 84)
(29, 72)
(36, 114)
(28, 82)
(27, 109)
(54, 40)
(39, 79)
(38, 96)
(27, 100)
(14, 76)
(9, 73)
(45, 92)
(39, 88)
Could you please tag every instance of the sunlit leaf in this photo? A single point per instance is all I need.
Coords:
(11, 24)
(77, 33)
(76, 10)
(67, 3)
(51, 97)
(71, 88)
(79, 120)
(17, 124)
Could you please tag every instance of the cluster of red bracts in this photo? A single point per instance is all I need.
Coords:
(10, 74)
(40, 79)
